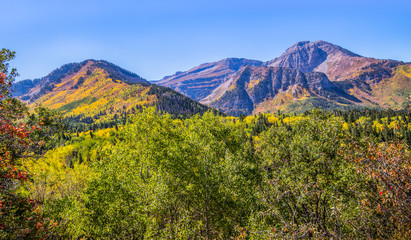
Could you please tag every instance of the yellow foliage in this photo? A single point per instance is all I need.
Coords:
(250, 119)
(345, 126)
(253, 83)
(292, 120)
(54, 178)
(97, 93)
(103, 133)
(272, 119)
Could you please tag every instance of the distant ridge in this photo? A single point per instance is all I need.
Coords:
(200, 81)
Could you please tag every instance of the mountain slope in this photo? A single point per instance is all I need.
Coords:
(99, 91)
(200, 81)
(257, 89)
(65, 73)
(386, 84)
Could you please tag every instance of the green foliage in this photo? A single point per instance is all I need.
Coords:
(307, 185)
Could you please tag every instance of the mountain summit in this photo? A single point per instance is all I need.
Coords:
(311, 56)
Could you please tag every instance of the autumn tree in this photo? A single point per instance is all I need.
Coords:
(386, 205)
(20, 217)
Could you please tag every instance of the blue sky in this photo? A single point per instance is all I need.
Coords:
(157, 38)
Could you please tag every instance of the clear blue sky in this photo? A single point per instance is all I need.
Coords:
(154, 38)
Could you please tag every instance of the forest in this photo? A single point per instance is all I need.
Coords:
(315, 175)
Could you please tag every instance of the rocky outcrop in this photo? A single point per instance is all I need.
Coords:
(253, 85)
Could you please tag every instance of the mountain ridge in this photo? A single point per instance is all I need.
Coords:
(96, 91)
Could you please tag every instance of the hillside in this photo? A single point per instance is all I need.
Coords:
(360, 81)
(386, 84)
(98, 92)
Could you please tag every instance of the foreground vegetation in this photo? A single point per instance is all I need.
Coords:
(266, 176)
(317, 175)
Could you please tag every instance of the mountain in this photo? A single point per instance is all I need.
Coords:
(200, 81)
(362, 81)
(306, 75)
(62, 77)
(98, 91)
(23, 87)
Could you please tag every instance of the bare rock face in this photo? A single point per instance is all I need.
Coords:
(199, 82)
(304, 56)
(319, 56)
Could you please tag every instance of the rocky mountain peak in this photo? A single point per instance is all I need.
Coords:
(307, 56)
